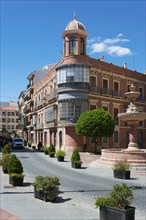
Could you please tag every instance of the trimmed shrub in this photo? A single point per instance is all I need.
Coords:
(15, 165)
(51, 149)
(75, 155)
(6, 149)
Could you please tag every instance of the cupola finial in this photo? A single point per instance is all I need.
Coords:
(75, 16)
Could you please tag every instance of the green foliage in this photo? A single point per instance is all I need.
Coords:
(121, 196)
(25, 142)
(5, 161)
(104, 201)
(29, 144)
(75, 155)
(48, 185)
(19, 175)
(51, 149)
(95, 123)
(15, 165)
(46, 149)
(121, 165)
(6, 149)
(61, 153)
(41, 149)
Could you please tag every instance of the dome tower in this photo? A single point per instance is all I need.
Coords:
(74, 38)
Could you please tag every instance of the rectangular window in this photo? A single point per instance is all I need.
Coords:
(3, 113)
(141, 124)
(105, 108)
(104, 140)
(116, 111)
(105, 86)
(92, 107)
(140, 139)
(116, 137)
(116, 89)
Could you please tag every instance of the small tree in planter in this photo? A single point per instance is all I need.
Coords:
(6, 149)
(46, 150)
(117, 205)
(29, 144)
(15, 170)
(33, 146)
(46, 188)
(76, 159)
(51, 150)
(5, 161)
(25, 142)
(60, 154)
(121, 169)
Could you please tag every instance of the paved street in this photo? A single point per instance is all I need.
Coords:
(79, 189)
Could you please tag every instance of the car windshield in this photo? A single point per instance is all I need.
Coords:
(18, 140)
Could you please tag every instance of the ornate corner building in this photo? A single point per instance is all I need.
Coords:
(58, 94)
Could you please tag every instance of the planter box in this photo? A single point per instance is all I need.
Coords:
(112, 213)
(46, 152)
(122, 174)
(16, 181)
(42, 195)
(51, 155)
(76, 165)
(60, 158)
(4, 170)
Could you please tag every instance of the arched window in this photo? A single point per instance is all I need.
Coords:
(82, 46)
(72, 45)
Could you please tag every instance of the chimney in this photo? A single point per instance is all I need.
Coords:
(125, 65)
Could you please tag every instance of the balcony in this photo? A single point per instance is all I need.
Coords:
(50, 96)
(105, 91)
(39, 126)
(27, 109)
(73, 86)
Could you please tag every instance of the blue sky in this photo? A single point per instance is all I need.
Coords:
(31, 36)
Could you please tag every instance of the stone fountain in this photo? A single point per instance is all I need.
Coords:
(133, 154)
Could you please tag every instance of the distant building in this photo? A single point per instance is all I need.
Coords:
(58, 94)
(8, 118)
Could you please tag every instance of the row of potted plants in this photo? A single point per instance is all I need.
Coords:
(60, 154)
(46, 188)
(121, 169)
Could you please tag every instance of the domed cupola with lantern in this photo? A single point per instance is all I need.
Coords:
(73, 74)
(74, 38)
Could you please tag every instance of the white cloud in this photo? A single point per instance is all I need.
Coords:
(98, 47)
(109, 46)
(119, 51)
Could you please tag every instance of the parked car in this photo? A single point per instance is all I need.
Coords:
(17, 143)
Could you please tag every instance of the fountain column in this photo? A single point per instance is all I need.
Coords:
(132, 116)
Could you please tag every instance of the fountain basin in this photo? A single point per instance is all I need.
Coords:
(134, 158)
(132, 94)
